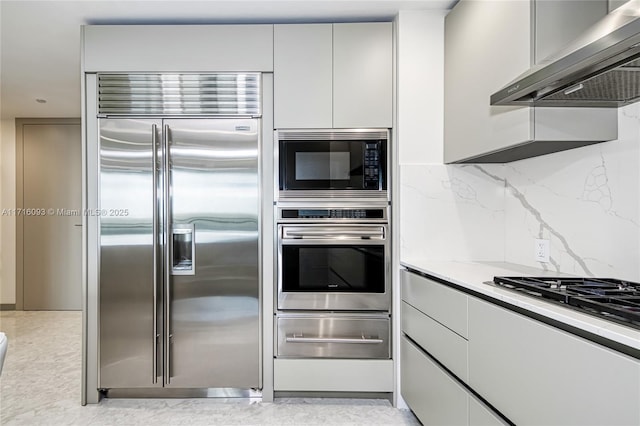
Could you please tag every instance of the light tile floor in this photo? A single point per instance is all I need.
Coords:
(40, 384)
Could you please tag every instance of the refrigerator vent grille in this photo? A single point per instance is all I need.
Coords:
(179, 94)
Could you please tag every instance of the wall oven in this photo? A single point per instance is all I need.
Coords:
(333, 259)
(333, 267)
(335, 163)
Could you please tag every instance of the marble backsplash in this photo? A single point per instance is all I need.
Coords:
(585, 201)
(451, 213)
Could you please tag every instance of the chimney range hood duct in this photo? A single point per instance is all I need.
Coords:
(599, 69)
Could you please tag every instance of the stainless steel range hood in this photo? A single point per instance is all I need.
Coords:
(599, 69)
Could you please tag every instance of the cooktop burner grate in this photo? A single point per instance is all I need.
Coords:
(611, 299)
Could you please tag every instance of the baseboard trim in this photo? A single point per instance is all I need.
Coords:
(7, 306)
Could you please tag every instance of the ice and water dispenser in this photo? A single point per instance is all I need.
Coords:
(183, 250)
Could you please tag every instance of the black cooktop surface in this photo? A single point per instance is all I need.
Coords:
(607, 298)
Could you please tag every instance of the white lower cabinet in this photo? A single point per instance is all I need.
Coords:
(528, 371)
(437, 398)
(434, 321)
(433, 395)
(443, 344)
(333, 375)
(481, 415)
(536, 374)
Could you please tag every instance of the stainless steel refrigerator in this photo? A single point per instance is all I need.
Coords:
(178, 290)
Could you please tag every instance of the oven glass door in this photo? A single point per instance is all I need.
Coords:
(331, 165)
(333, 268)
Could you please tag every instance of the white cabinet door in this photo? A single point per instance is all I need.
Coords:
(440, 302)
(536, 374)
(487, 44)
(303, 68)
(177, 48)
(362, 75)
(490, 43)
(434, 396)
(443, 344)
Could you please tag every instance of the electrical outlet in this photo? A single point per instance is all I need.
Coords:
(541, 250)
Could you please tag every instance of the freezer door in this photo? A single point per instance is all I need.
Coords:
(130, 350)
(213, 303)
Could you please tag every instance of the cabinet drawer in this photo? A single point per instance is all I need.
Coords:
(434, 397)
(443, 304)
(481, 415)
(333, 375)
(333, 336)
(576, 381)
(443, 344)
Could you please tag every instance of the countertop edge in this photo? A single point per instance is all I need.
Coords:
(471, 277)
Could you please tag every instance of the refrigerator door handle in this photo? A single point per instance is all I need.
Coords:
(154, 156)
(167, 252)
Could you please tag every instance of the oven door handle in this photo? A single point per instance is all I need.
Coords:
(350, 340)
(337, 234)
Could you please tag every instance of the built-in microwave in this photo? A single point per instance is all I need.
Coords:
(334, 163)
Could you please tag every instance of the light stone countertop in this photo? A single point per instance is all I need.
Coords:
(474, 275)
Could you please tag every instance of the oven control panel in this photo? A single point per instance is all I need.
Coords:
(366, 214)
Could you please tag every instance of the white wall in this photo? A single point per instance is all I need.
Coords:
(445, 212)
(420, 96)
(7, 221)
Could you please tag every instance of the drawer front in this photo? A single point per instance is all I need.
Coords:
(481, 415)
(333, 375)
(333, 336)
(443, 344)
(443, 304)
(555, 366)
(434, 397)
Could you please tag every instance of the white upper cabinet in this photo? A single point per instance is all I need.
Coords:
(333, 75)
(177, 48)
(489, 43)
(485, 47)
(303, 67)
(362, 75)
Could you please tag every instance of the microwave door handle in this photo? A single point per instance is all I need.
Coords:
(348, 340)
(361, 234)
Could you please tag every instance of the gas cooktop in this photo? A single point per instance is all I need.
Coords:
(610, 299)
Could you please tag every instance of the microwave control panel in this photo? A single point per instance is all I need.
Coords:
(371, 166)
